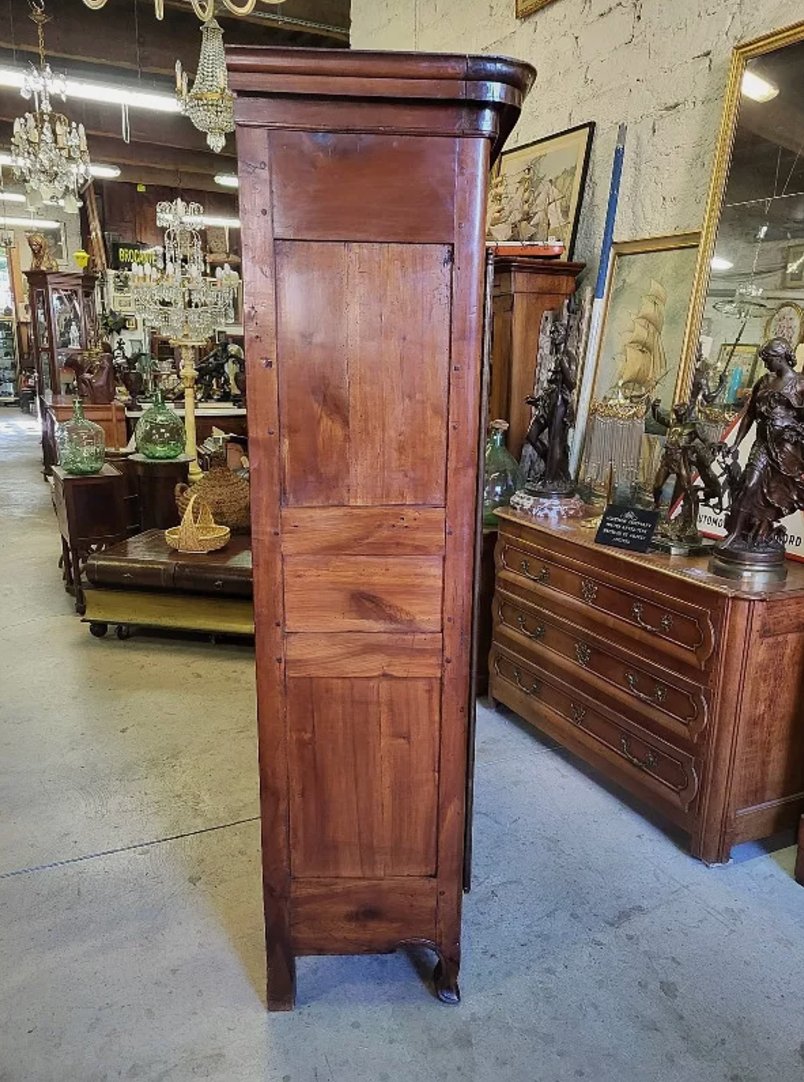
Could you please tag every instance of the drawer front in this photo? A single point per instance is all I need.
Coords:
(670, 772)
(676, 628)
(664, 696)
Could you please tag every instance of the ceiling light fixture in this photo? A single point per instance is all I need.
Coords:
(204, 9)
(227, 180)
(721, 264)
(225, 223)
(209, 104)
(29, 223)
(105, 93)
(758, 89)
(12, 197)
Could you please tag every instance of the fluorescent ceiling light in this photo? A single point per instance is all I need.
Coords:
(29, 223)
(228, 223)
(721, 264)
(12, 197)
(757, 88)
(105, 94)
(227, 180)
(104, 171)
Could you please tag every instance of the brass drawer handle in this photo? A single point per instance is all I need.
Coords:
(578, 713)
(648, 763)
(659, 692)
(537, 633)
(588, 590)
(542, 577)
(666, 622)
(532, 690)
(583, 653)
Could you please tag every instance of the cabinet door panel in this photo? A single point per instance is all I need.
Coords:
(363, 388)
(363, 758)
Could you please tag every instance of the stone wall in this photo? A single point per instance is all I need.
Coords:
(659, 65)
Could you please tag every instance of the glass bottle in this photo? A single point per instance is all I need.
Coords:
(160, 431)
(80, 443)
(502, 475)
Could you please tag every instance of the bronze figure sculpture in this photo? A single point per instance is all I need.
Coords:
(771, 486)
(554, 417)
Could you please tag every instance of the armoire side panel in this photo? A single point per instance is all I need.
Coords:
(358, 749)
(363, 392)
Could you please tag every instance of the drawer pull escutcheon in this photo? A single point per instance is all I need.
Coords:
(534, 687)
(583, 653)
(648, 763)
(659, 693)
(588, 590)
(537, 632)
(665, 624)
(543, 576)
(578, 713)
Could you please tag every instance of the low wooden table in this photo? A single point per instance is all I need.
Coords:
(142, 581)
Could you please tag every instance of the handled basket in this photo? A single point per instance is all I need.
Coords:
(197, 531)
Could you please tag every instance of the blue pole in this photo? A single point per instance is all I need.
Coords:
(611, 213)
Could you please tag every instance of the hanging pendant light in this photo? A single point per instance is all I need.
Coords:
(204, 9)
(49, 152)
(210, 102)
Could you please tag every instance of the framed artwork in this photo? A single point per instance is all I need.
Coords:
(794, 267)
(742, 361)
(786, 322)
(131, 323)
(645, 318)
(537, 189)
(527, 7)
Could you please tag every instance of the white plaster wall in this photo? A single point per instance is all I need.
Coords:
(659, 65)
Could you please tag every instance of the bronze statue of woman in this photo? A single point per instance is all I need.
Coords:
(554, 417)
(772, 485)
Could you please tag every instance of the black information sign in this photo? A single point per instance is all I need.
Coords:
(626, 527)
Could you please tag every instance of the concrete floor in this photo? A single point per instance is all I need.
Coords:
(130, 926)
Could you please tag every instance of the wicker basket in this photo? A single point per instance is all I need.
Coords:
(197, 531)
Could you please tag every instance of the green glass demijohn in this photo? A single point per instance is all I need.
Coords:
(502, 475)
(80, 443)
(160, 431)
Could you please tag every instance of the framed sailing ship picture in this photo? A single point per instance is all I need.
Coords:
(537, 190)
(645, 318)
(527, 7)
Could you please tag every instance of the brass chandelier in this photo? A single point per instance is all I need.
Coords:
(204, 9)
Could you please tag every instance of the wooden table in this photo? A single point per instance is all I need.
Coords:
(142, 581)
(90, 513)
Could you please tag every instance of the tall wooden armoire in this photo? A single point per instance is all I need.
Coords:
(363, 180)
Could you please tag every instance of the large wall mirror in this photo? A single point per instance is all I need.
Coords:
(750, 275)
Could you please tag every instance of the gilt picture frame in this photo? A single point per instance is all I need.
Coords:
(528, 7)
(537, 189)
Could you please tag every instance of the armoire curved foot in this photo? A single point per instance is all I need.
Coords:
(445, 980)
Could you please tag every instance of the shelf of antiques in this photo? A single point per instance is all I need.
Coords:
(524, 290)
(62, 321)
(656, 671)
(363, 182)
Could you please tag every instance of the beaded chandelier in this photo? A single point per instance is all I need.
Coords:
(173, 295)
(204, 9)
(49, 152)
(210, 102)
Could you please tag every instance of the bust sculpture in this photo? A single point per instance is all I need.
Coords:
(771, 486)
(42, 257)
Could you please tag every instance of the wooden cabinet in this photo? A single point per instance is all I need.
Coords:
(524, 289)
(675, 683)
(362, 196)
(62, 319)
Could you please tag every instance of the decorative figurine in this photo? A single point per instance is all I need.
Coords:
(772, 485)
(554, 417)
(687, 452)
(42, 257)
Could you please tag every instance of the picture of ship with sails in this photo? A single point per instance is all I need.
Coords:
(642, 364)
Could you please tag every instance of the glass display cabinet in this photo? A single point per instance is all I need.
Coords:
(62, 318)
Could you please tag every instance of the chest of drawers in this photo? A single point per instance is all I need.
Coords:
(683, 688)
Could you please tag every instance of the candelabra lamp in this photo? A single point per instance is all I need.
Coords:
(178, 301)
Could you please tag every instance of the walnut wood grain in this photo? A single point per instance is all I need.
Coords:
(363, 531)
(363, 593)
(363, 654)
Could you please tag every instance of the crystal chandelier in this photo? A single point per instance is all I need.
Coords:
(172, 294)
(49, 152)
(210, 103)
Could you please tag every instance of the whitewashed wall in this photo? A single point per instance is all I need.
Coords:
(659, 65)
